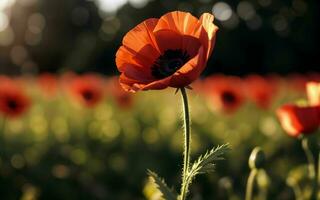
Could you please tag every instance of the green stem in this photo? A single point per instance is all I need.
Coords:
(297, 192)
(187, 141)
(263, 190)
(311, 166)
(318, 182)
(250, 184)
(3, 126)
(310, 158)
(2, 134)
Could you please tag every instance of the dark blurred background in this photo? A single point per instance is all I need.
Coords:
(256, 36)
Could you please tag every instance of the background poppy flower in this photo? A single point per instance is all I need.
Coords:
(297, 82)
(121, 97)
(87, 89)
(48, 84)
(297, 120)
(259, 90)
(13, 101)
(225, 93)
(168, 52)
(313, 93)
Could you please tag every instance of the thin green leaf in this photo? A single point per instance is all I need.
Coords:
(167, 193)
(206, 163)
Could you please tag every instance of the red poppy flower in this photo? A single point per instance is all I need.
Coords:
(88, 89)
(121, 97)
(225, 93)
(13, 101)
(297, 120)
(168, 52)
(313, 93)
(48, 84)
(260, 90)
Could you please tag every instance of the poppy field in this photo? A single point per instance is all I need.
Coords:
(82, 137)
(159, 100)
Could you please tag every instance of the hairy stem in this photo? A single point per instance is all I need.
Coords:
(250, 184)
(311, 166)
(318, 182)
(187, 141)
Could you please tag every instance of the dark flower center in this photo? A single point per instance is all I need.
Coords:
(12, 104)
(87, 95)
(169, 62)
(228, 97)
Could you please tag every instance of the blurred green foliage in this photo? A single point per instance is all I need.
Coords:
(60, 150)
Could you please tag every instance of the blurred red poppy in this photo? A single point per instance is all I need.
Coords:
(88, 89)
(13, 100)
(225, 93)
(4, 79)
(313, 93)
(168, 52)
(48, 84)
(297, 120)
(297, 82)
(259, 90)
(122, 98)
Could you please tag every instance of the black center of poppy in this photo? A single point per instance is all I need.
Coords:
(12, 105)
(228, 97)
(87, 95)
(169, 62)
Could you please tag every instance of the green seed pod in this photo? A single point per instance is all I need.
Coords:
(256, 159)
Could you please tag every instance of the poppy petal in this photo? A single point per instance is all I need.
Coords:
(129, 84)
(313, 93)
(207, 22)
(144, 58)
(297, 120)
(158, 85)
(168, 39)
(138, 45)
(180, 22)
(138, 73)
(190, 71)
(141, 35)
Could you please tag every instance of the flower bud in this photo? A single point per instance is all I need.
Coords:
(256, 159)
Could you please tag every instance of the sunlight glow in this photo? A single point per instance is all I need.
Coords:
(6, 3)
(246, 10)
(4, 21)
(222, 11)
(110, 6)
(138, 3)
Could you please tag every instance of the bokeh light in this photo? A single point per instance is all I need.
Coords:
(222, 11)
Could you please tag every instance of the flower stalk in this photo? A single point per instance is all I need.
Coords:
(311, 166)
(2, 142)
(295, 188)
(256, 163)
(187, 143)
(250, 184)
(3, 126)
(318, 181)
